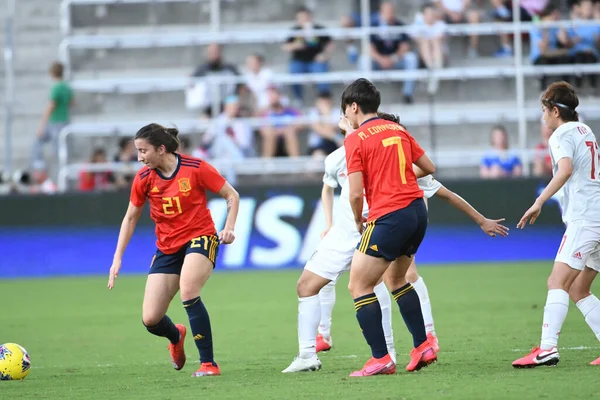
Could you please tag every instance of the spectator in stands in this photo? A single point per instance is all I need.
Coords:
(459, 12)
(392, 50)
(128, 155)
(324, 137)
(258, 78)
(548, 45)
(503, 12)
(354, 20)
(279, 139)
(542, 163)
(431, 39)
(57, 113)
(96, 181)
(215, 66)
(583, 40)
(309, 54)
(500, 162)
(229, 138)
(38, 182)
(184, 145)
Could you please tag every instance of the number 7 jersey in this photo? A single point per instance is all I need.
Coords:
(384, 152)
(178, 203)
(580, 197)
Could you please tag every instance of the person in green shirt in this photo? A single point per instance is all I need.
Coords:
(57, 113)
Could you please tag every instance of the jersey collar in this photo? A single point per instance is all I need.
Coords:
(174, 173)
(369, 120)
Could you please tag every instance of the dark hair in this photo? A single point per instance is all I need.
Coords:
(562, 96)
(427, 5)
(550, 8)
(123, 143)
(325, 94)
(389, 117)
(57, 70)
(303, 9)
(364, 94)
(157, 135)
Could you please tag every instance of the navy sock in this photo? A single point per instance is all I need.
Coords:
(200, 324)
(410, 308)
(165, 328)
(368, 313)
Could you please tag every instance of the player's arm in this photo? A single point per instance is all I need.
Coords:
(356, 198)
(425, 164)
(490, 227)
(127, 228)
(327, 194)
(564, 172)
(419, 173)
(233, 205)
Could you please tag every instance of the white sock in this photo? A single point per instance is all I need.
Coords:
(555, 312)
(327, 298)
(385, 302)
(590, 308)
(423, 293)
(309, 314)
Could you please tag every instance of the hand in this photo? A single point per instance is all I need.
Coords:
(321, 58)
(226, 236)
(40, 133)
(325, 232)
(493, 227)
(344, 124)
(114, 273)
(386, 63)
(360, 225)
(530, 215)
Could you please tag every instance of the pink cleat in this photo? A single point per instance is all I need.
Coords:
(323, 343)
(433, 341)
(595, 362)
(538, 357)
(377, 366)
(421, 357)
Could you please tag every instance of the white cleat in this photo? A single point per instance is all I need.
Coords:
(304, 364)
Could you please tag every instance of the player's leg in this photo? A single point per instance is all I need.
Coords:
(577, 244)
(161, 286)
(385, 302)
(366, 271)
(198, 266)
(418, 283)
(327, 299)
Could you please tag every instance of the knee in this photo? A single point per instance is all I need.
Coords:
(473, 17)
(346, 22)
(578, 292)
(411, 275)
(150, 319)
(411, 61)
(188, 292)
(306, 288)
(555, 282)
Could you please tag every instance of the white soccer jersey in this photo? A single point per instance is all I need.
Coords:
(579, 198)
(336, 174)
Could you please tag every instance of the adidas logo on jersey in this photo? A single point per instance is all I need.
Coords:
(577, 255)
(155, 190)
(374, 248)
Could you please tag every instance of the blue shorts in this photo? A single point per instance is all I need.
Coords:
(162, 263)
(396, 234)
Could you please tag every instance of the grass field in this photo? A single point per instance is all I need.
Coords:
(88, 343)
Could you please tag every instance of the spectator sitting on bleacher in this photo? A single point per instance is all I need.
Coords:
(40, 181)
(229, 138)
(528, 9)
(279, 139)
(128, 155)
(355, 20)
(548, 45)
(56, 116)
(393, 50)
(324, 137)
(583, 40)
(459, 12)
(214, 66)
(258, 78)
(542, 163)
(309, 54)
(500, 162)
(96, 181)
(431, 39)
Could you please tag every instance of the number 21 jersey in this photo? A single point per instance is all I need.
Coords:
(178, 204)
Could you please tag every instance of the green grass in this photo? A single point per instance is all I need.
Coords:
(88, 343)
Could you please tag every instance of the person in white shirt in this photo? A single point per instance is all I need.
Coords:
(576, 182)
(333, 256)
(258, 78)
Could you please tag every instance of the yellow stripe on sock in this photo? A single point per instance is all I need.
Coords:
(403, 292)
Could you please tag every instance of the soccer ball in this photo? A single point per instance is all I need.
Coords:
(14, 362)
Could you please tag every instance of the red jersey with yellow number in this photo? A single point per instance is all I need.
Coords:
(384, 152)
(178, 203)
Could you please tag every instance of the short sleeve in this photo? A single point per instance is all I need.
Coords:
(563, 147)
(353, 154)
(416, 151)
(329, 178)
(138, 193)
(429, 185)
(487, 161)
(55, 93)
(210, 178)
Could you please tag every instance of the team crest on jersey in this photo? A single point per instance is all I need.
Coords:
(184, 186)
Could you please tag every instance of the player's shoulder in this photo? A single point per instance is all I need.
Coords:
(144, 173)
(190, 162)
(335, 157)
(572, 129)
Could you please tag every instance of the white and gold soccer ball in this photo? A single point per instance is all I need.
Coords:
(14, 362)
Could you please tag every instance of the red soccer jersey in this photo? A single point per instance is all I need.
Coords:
(178, 204)
(384, 152)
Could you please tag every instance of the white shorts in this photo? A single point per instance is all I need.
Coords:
(334, 254)
(580, 246)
